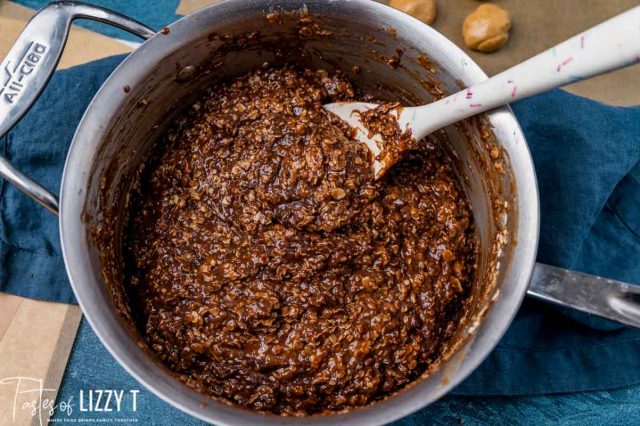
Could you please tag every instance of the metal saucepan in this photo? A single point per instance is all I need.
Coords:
(167, 72)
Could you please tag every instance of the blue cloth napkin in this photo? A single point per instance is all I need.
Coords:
(587, 158)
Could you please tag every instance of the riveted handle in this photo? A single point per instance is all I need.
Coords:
(29, 65)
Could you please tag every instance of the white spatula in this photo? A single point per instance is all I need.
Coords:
(606, 47)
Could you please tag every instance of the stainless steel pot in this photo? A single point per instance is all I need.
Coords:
(119, 127)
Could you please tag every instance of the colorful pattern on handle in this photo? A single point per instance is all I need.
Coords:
(606, 47)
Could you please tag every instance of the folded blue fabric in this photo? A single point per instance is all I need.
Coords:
(587, 159)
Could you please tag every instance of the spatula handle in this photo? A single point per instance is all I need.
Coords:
(606, 47)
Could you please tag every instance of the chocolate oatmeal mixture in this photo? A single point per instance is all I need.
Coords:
(266, 267)
(381, 121)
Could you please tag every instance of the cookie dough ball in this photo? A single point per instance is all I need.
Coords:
(424, 10)
(486, 29)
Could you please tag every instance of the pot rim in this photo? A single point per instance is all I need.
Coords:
(72, 233)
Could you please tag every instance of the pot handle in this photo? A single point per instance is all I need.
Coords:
(606, 298)
(29, 65)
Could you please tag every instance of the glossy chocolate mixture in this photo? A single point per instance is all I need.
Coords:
(267, 267)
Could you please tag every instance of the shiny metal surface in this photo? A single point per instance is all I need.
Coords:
(116, 133)
(600, 296)
(29, 65)
(29, 186)
(113, 128)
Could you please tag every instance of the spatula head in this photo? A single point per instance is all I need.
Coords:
(350, 113)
